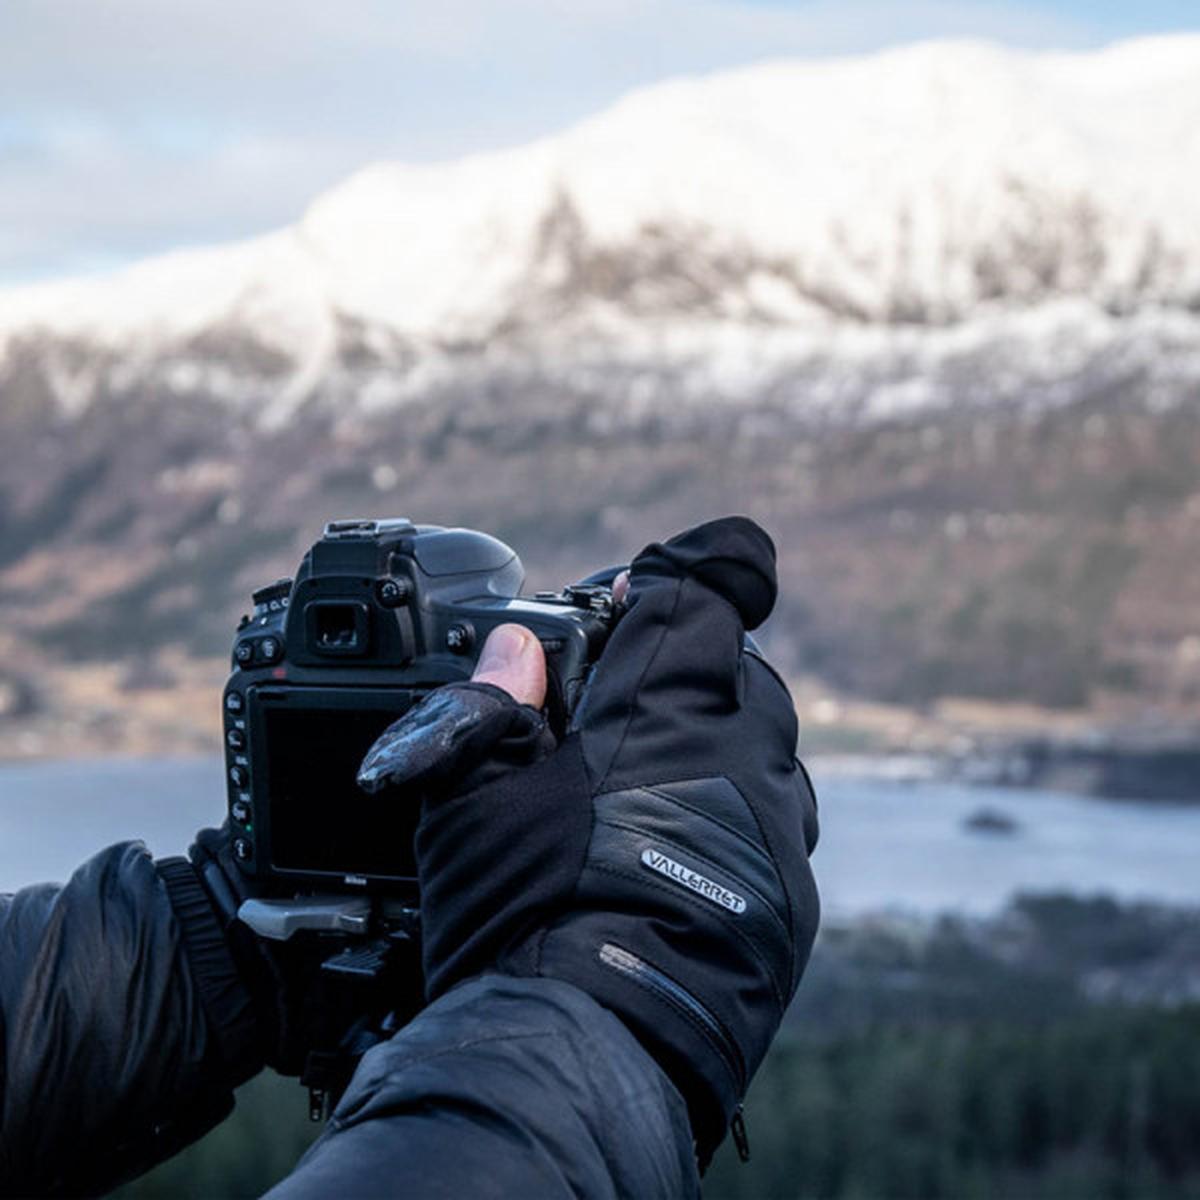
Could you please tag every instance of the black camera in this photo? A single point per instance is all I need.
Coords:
(380, 613)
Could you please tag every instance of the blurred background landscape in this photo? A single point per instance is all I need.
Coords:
(916, 287)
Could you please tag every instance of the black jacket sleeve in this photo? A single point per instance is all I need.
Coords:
(123, 1024)
(503, 1088)
(124, 1027)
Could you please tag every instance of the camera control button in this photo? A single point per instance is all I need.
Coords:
(460, 638)
(244, 653)
(243, 850)
(238, 776)
(269, 649)
(235, 739)
(392, 592)
(234, 702)
(240, 811)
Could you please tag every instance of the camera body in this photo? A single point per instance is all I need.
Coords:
(380, 613)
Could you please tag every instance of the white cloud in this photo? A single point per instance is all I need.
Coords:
(132, 125)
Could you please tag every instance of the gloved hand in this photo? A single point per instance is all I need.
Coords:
(658, 858)
(297, 1010)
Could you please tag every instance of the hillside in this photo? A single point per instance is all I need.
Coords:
(932, 316)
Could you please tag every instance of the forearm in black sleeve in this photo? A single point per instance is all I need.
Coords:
(123, 1024)
(505, 1087)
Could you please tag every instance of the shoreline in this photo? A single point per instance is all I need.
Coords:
(97, 711)
(1117, 771)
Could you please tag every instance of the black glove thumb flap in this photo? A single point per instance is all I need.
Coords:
(674, 662)
(733, 556)
(459, 737)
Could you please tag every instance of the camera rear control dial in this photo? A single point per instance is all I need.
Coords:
(591, 597)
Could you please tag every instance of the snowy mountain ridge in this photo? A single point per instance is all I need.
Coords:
(890, 213)
(932, 316)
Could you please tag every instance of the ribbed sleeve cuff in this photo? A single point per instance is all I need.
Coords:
(225, 997)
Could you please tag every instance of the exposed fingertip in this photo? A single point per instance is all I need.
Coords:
(512, 658)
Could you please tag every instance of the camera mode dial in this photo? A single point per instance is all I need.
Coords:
(273, 597)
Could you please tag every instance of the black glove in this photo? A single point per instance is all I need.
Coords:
(298, 1010)
(658, 858)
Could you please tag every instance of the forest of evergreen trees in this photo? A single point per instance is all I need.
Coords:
(1103, 1106)
(978, 1060)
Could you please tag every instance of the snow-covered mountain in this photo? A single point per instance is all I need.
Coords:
(932, 316)
(935, 224)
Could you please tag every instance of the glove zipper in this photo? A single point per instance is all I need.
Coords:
(675, 994)
(737, 1127)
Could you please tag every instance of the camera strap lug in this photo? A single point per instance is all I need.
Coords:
(326, 1073)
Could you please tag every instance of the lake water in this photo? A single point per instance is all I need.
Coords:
(883, 844)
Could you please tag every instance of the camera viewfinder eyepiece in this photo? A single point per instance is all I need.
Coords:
(336, 628)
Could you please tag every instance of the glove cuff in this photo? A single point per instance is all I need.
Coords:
(680, 1032)
(226, 1000)
(260, 975)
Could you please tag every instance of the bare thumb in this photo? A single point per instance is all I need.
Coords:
(512, 658)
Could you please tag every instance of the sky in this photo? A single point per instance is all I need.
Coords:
(129, 127)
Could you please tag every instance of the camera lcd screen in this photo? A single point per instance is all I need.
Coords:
(320, 819)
